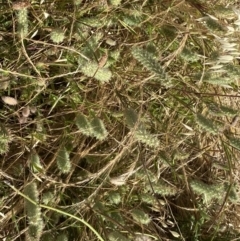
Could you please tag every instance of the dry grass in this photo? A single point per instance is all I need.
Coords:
(118, 124)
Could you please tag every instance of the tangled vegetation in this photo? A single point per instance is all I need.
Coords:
(119, 120)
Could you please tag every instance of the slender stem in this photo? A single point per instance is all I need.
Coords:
(56, 210)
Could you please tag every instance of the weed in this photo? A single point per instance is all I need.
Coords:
(111, 112)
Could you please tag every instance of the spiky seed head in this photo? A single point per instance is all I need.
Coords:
(47, 197)
(22, 19)
(115, 2)
(214, 25)
(131, 117)
(206, 124)
(140, 216)
(148, 198)
(92, 69)
(35, 231)
(57, 35)
(161, 189)
(83, 124)
(188, 55)
(36, 163)
(33, 212)
(31, 191)
(210, 192)
(5, 139)
(114, 197)
(145, 137)
(63, 161)
(98, 129)
(151, 63)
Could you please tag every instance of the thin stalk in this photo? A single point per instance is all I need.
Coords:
(57, 210)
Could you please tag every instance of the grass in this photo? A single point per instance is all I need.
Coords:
(119, 120)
